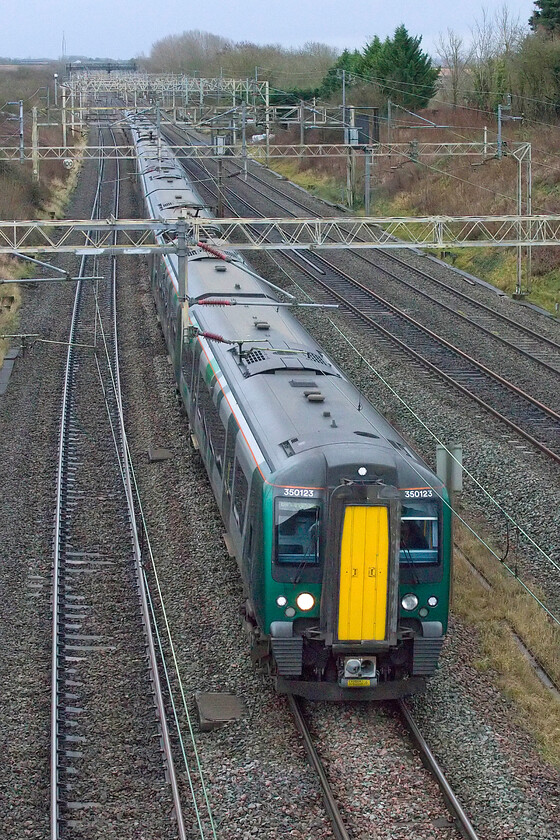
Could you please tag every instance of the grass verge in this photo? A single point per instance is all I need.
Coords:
(317, 183)
(495, 265)
(493, 612)
(60, 191)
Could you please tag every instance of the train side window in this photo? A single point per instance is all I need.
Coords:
(419, 534)
(208, 413)
(187, 357)
(297, 532)
(240, 493)
(218, 437)
(202, 402)
(228, 471)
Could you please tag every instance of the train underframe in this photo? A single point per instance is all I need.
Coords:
(308, 668)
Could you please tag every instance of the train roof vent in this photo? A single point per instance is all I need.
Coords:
(368, 435)
(302, 383)
(220, 267)
(316, 357)
(262, 325)
(314, 396)
(256, 360)
(254, 355)
(286, 445)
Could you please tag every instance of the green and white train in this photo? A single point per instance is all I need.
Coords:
(342, 534)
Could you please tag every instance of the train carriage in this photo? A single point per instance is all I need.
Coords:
(341, 533)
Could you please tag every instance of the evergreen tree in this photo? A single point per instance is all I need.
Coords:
(371, 56)
(402, 71)
(546, 16)
(332, 82)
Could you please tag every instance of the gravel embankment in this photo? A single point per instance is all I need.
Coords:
(258, 780)
(29, 417)
(523, 483)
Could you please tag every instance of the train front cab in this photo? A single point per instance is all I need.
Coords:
(376, 648)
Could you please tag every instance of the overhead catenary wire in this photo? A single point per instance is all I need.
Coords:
(548, 558)
(166, 622)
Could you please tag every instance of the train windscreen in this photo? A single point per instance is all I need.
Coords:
(297, 532)
(419, 534)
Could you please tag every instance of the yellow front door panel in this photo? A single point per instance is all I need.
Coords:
(364, 560)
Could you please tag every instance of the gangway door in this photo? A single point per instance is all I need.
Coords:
(364, 563)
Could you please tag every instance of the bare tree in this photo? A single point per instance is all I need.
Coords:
(510, 32)
(484, 55)
(190, 52)
(454, 57)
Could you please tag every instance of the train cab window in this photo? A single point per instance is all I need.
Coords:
(296, 533)
(419, 534)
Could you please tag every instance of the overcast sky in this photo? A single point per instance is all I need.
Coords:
(128, 28)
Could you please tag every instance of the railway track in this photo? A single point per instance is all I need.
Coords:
(341, 830)
(516, 336)
(531, 419)
(110, 750)
(534, 421)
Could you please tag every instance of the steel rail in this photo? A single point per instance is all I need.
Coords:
(62, 450)
(466, 318)
(434, 368)
(500, 316)
(137, 551)
(486, 371)
(331, 807)
(447, 344)
(428, 759)
(497, 316)
(452, 803)
(120, 443)
(527, 331)
(54, 811)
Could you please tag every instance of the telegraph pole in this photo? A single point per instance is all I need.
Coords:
(35, 145)
(344, 101)
(21, 146)
(350, 162)
(367, 184)
(267, 120)
(499, 139)
(519, 292)
(220, 208)
(64, 116)
(244, 137)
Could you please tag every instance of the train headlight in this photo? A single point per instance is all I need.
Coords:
(432, 601)
(409, 601)
(305, 601)
(281, 601)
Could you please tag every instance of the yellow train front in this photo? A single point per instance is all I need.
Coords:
(350, 599)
